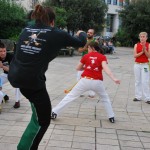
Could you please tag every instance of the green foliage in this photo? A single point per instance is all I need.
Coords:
(135, 19)
(81, 14)
(61, 14)
(85, 14)
(12, 19)
(14, 37)
(117, 44)
(61, 17)
(122, 38)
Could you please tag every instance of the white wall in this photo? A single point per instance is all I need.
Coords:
(114, 10)
(27, 4)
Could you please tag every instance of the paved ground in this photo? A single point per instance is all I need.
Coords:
(83, 125)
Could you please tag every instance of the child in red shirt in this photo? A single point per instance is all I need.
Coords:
(92, 79)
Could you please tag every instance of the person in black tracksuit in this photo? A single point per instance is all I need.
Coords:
(5, 60)
(38, 45)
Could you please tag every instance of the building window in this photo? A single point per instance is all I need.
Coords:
(108, 1)
(110, 22)
(120, 2)
(114, 2)
(126, 3)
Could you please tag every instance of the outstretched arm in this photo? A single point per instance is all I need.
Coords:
(82, 49)
(5, 68)
(109, 73)
(78, 41)
(80, 67)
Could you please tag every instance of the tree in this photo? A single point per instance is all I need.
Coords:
(135, 19)
(12, 19)
(83, 14)
(61, 17)
(61, 14)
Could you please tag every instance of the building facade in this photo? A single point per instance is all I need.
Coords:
(112, 17)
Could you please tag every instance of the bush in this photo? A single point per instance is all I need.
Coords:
(117, 44)
(14, 37)
(12, 19)
(123, 38)
(135, 19)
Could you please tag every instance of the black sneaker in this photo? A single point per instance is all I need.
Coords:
(53, 115)
(136, 100)
(112, 120)
(6, 97)
(17, 104)
(148, 102)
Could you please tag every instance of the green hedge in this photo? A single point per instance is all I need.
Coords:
(12, 19)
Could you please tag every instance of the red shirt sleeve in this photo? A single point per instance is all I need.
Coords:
(105, 59)
(83, 60)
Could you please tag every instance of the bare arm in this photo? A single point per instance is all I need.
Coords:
(135, 52)
(109, 73)
(5, 68)
(80, 67)
(82, 49)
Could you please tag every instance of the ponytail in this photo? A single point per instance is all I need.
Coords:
(44, 15)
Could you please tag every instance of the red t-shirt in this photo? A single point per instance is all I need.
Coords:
(143, 58)
(93, 65)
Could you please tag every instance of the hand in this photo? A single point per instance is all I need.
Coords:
(80, 49)
(117, 81)
(144, 48)
(1, 64)
(79, 32)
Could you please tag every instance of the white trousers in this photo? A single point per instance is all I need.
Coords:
(4, 79)
(82, 86)
(141, 72)
(91, 93)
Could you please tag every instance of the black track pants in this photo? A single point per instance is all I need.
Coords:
(40, 119)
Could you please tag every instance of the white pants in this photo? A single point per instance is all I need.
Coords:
(82, 86)
(91, 93)
(141, 72)
(4, 79)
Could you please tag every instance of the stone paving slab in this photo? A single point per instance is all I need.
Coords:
(84, 125)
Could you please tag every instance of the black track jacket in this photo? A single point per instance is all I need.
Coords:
(37, 46)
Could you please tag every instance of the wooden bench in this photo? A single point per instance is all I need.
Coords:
(68, 50)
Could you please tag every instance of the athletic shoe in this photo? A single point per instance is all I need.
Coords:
(17, 104)
(136, 100)
(148, 102)
(6, 97)
(81, 95)
(91, 96)
(112, 120)
(53, 115)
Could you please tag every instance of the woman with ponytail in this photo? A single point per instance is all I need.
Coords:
(38, 44)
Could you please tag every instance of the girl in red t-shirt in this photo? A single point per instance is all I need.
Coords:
(92, 79)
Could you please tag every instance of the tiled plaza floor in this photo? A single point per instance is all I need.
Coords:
(83, 125)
